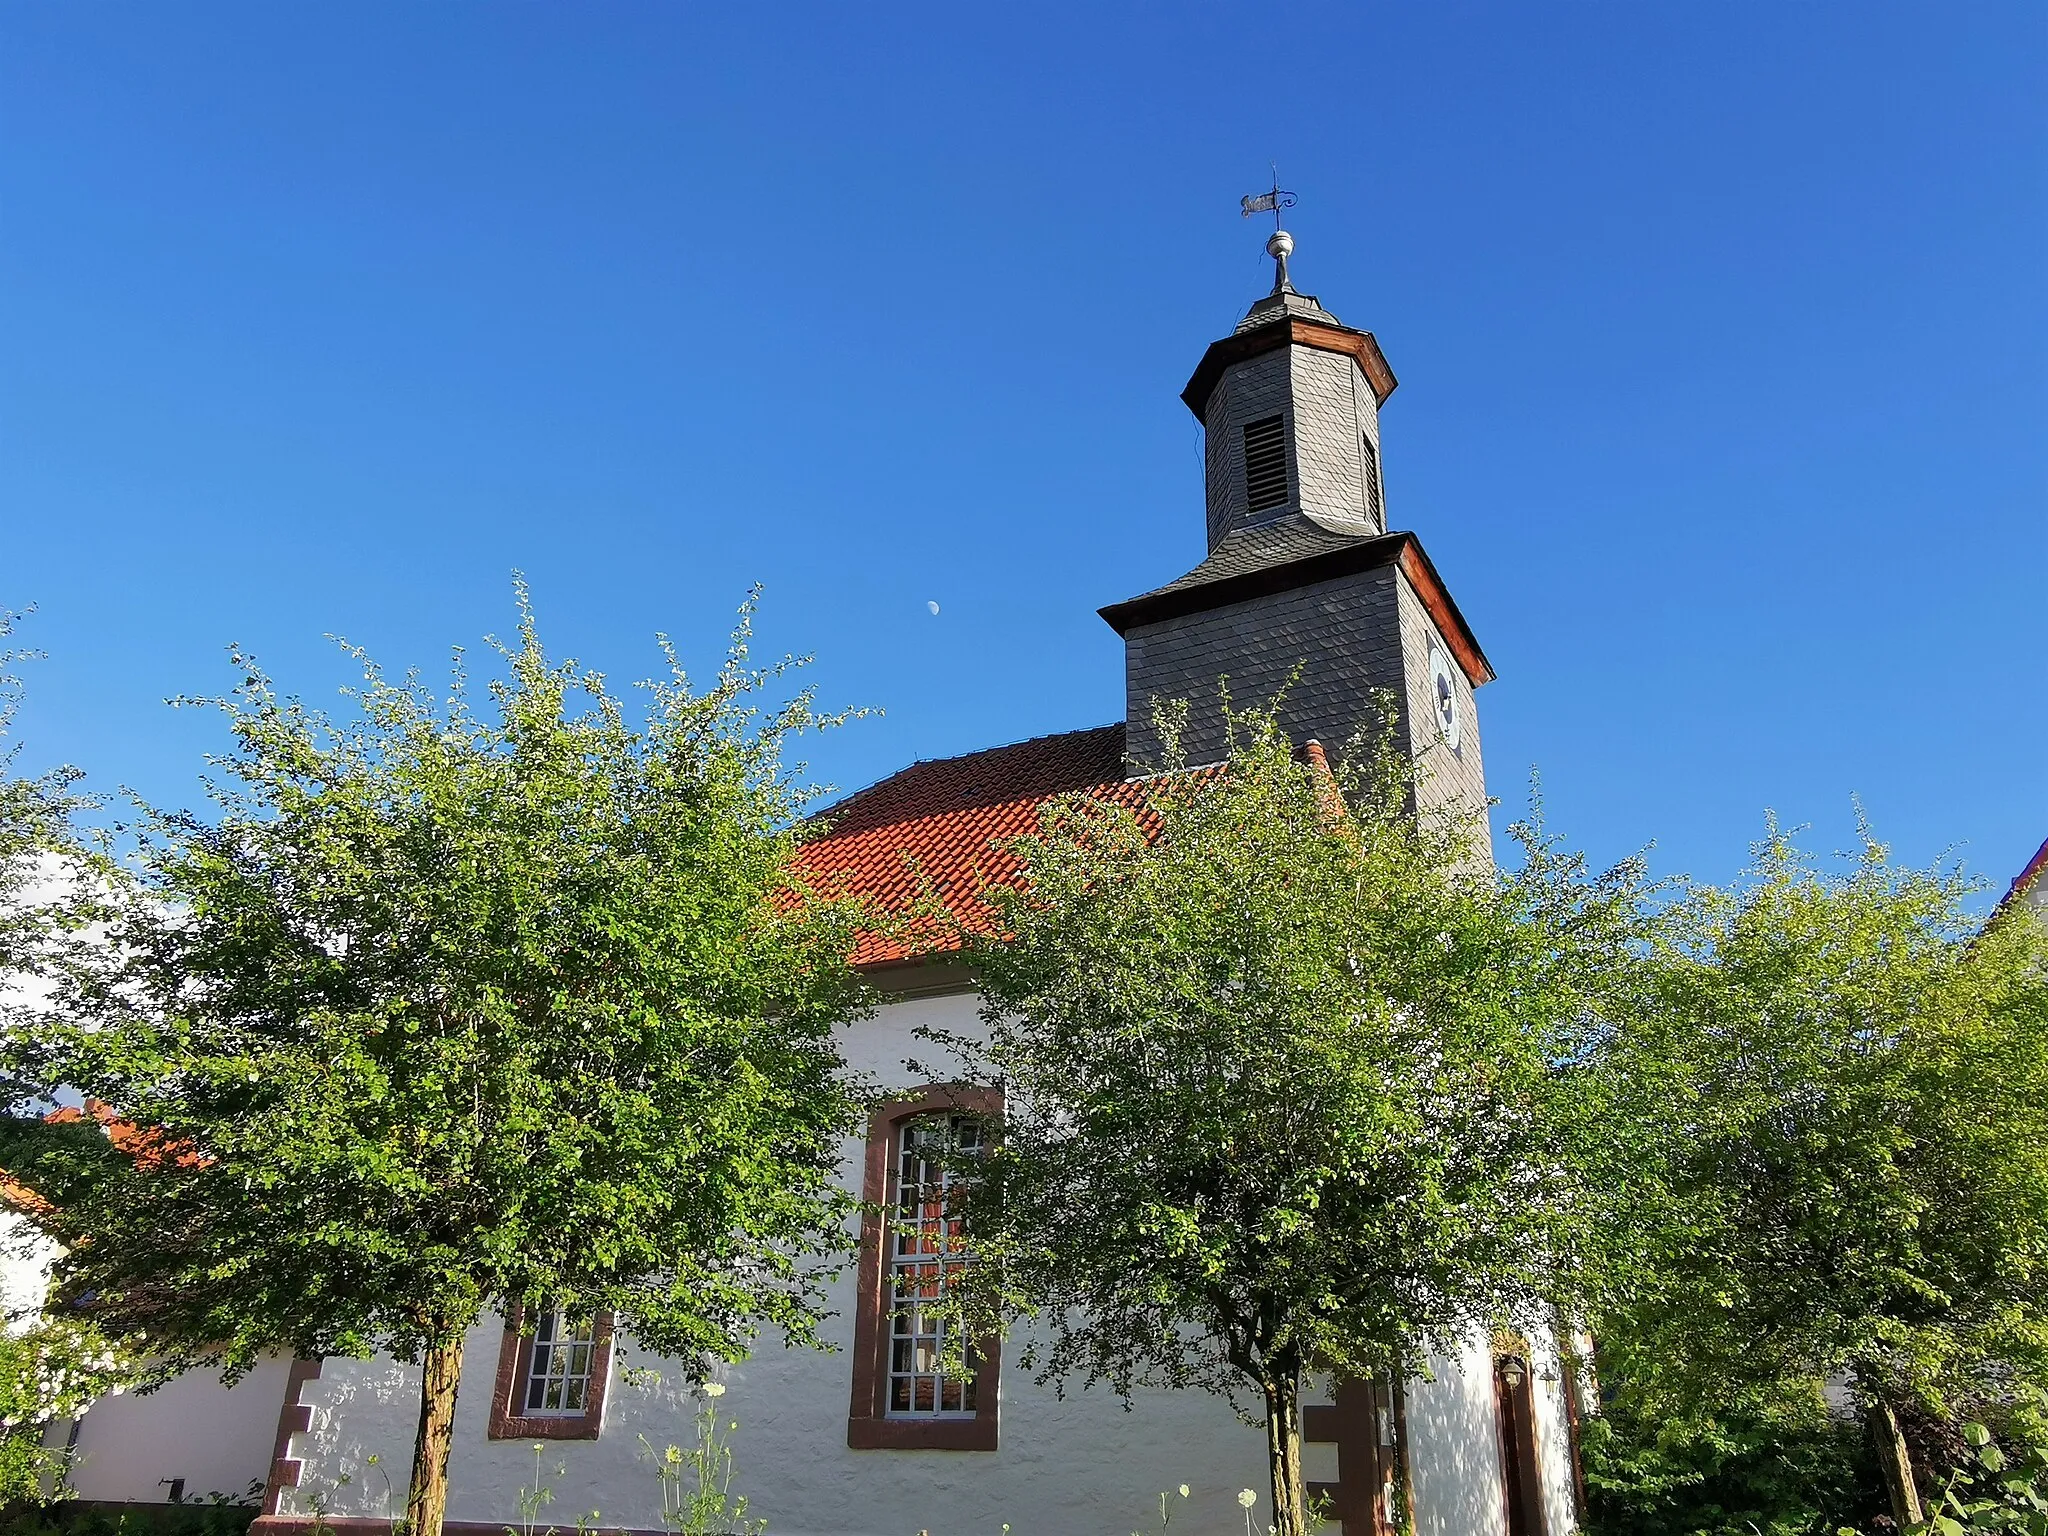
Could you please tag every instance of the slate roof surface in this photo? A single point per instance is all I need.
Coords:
(944, 821)
(1244, 550)
(1280, 306)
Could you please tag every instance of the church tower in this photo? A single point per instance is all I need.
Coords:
(1303, 579)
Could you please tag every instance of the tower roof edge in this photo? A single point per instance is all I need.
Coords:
(1259, 562)
(1283, 331)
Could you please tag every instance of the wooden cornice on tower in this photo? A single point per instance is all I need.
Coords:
(1293, 331)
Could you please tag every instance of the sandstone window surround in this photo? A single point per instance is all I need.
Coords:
(553, 1371)
(902, 1398)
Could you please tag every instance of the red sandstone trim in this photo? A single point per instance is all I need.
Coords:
(868, 1425)
(1358, 1499)
(1521, 1454)
(1443, 612)
(293, 1417)
(515, 1354)
(1574, 1428)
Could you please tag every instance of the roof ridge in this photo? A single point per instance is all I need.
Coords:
(1085, 730)
(959, 757)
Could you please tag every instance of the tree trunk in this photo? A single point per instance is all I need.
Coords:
(1283, 1453)
(1894, 1460)
(426, 1501)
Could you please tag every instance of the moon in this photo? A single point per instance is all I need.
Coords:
(934, 608)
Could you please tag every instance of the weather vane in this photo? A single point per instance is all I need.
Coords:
(1269, 202)
(1279, 244)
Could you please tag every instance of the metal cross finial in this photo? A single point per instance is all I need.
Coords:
(1280, 244)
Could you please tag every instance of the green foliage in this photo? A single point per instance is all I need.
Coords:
(1836, 1109)
(217, 1514)
(453, 1005)
(697, 1497)
(39, 909)
(535, 1497)
(1768, 1460)
(53, 1369)
(1996, 1488)
(1288, 1078)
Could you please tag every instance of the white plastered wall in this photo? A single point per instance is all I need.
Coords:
(216, 1439)
(1072, 1467)
(25, 1256)
(1454, 1442)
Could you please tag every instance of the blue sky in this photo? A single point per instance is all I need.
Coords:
(1721, 330)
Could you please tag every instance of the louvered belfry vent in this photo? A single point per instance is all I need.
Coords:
(1369, 461)
(1265, 463)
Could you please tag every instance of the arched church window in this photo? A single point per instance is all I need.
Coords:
(916, 1384)
(932, 1373)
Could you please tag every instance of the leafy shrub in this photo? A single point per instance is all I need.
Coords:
(217, 1515)
(1776, 1465)
(54, 1369)
(1995, 1488)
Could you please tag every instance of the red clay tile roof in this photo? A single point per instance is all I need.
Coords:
(942, 821)
(2036, 867)
(149, 1149)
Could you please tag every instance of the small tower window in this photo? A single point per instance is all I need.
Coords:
(1265, 463)
(1370, 459)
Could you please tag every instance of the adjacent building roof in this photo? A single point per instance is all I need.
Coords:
(945, 822)
(2029, 886)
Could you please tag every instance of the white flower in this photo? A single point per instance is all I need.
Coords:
(1183, 1490)
(714, 1389)
(1246, 1498)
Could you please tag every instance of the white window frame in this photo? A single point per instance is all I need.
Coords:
(562, 1362)
(925, 1244)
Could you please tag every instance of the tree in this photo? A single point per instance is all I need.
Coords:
(1840, 1102)
(1757, 1459)
(1288, 1083)
(450, 1007)
(39, 845)
(50, 1368)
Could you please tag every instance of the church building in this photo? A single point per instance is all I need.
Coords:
(1304, 579)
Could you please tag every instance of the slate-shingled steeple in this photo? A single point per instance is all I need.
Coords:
(1302, 579)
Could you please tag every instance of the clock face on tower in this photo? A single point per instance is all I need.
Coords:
(1443, 696)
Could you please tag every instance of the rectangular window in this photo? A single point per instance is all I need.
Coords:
(1265, 463)
(916, 1386)
(933, 1153)
(560, 1365)
(552, 1372)
(1370, 460)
